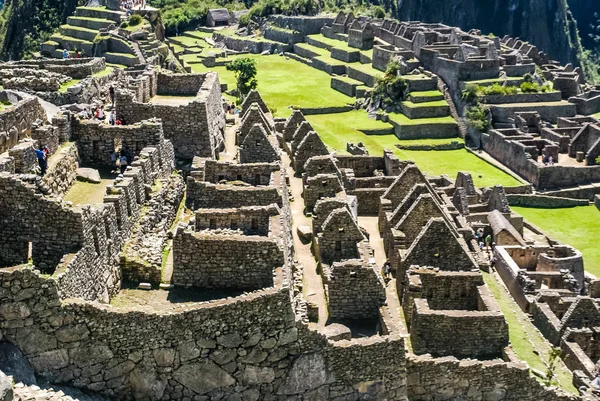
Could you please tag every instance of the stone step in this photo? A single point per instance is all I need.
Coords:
(425, 96)
(435, 109)
(79, 32)
(90, 23)
(549, 111)
(420, 83)
(317, 43)
(70, 43)
(99, 12)
(122, 58)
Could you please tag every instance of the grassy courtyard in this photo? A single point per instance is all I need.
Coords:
(575, 226)
(337, 129)
(284, 82)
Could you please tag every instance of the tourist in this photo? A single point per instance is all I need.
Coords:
(112, 117)
(387, 270)
(111, 93)
(232, 108)
(46, 152)
(113, 160)
(123, 162)
(41, 158)
(76, 53)
(118, 122)
(100, 114)
(488, 241)
(550, 161)
(65, 54)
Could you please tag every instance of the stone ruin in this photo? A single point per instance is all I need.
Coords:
(228, 311)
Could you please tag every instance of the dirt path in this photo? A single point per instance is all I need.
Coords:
(230, 152)
(313, 283)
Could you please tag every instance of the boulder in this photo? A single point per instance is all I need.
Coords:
(337, 332)
(88, 175)
(203, 377)
(305, 233)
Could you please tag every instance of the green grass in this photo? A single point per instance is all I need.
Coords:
(576, 226)
(186, 41)
(426, 94)
(597, 115)
(315, 49)
(198, 34)
(338, 44)
(527, 342)
(283, 83)
(113, 65)
(107, 71)
(436, 103)
(366, 68)
(403, 120)
(83, 193)
(337, 129)
(67, 85)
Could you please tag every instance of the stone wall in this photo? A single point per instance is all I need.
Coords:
(195, 129)
(179, 84)
(16, 120)
(142, 255)
(205, 195)
(250, 173)
(209, 260)
(355, 290)
(233, 348)
(62, 174)
(75, 68)
(251, 220)
(97, 141)
(449, 378)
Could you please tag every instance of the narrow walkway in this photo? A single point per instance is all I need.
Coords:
(230, 152)
(525, 339)
(314, 291)
(371, 224)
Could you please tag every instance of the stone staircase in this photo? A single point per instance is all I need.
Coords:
(89, 31)
(151, 47)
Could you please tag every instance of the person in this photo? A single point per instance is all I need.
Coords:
(232, 108)
(550, 161)
(85, 114)
(100, 114)
(118, 122)
(41, 157)
(488, 241)
(387, 269)
(123, 162)
(65, 54)
(111, 93)
(46, 152)
(76, 53)
(113, 160)
(111, 118)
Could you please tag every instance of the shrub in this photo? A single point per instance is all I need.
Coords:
(469, 94)
(124, 24)
(244, 20)
(478, 118)
(390, 89)
(530, 87)
(245, 75)
(135, 19)
(378, 12)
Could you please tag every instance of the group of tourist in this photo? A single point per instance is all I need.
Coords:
(484, 241)
(77, 54)
(231, 108)
(129, 5)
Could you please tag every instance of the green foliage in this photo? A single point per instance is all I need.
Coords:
(377, 12)
(478, 118)
(550, 378)
(528, 78)
(244, 20)
(469, 94)
(390, 89)
(135, 19)
(124, 24)
(597, 160)
(532, 87)
(245, 75)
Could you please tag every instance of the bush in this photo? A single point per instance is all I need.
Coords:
(378, 12)
(135, 19)
(478, 118)
(530, 87)
(244, 20)
(390, 89)
(124, 24)
(469, 94)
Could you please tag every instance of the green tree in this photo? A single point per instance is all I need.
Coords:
(245, 75)
(553, 358)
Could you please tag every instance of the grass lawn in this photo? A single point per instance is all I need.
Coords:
(198, 34)
(84, 193)
(187, 41)
(337, 129)
(338, 44)
(575, 226)
(63, 88)
(527, 342)
(597, 115)
(403, 120)
(107, 71)
(435, 103)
